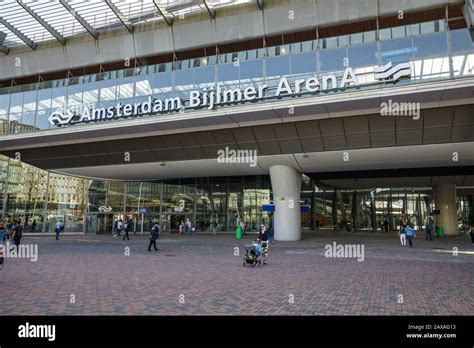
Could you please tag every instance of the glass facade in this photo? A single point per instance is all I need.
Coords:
(40, 199)
(434, 51)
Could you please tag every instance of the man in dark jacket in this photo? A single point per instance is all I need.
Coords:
(154, 235)
(17, 234)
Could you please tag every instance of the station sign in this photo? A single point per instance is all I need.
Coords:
(210, 98)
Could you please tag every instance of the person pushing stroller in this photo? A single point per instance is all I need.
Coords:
(263, 240)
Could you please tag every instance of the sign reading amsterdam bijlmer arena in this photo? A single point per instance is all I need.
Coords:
(211, 97)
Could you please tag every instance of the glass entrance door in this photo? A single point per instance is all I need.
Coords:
(100, 223)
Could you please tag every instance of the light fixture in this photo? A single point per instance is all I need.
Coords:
(305, 155)
(162, 164)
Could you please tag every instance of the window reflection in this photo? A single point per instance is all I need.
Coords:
(425, 45)
(332, 60)
(396, 50)
(430, 45)
(461, 40)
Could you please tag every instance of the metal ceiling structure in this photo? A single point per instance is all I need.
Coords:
(29, 22)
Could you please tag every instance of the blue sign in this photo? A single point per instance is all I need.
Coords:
(271, 207)
(142, 210)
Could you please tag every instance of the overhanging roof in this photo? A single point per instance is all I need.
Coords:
(30, 21)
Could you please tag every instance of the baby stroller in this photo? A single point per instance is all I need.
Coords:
(253, 253)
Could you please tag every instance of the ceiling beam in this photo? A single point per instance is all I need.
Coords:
(18, 33)
(169, 20)
(212, 12)
(120, 16)
(81, 20)
(4, 49)
(41, 21)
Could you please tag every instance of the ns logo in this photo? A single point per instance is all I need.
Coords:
(61, 117)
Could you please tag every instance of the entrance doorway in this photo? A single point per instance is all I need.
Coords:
(101, 223)
(171, 222)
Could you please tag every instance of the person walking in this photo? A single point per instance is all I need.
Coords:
(410, 233)
(432, 229)
(58, 228)
(214, 227)
(261, 231)
(428, 232)
(16, 236)
(403, 236)
(126, 228)
(471, 233)
(33, 225)
(119, 228)
(263, 239)
(154, 235)
(114, 228)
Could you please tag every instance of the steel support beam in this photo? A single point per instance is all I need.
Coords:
(81, 20)
(259, 4)
(4, 49)
(127, 24)
(20, 35)
(168, 20)
(212, 12)
(41, 21)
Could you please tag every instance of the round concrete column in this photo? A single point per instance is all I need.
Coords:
(286, 186)
(445, 201)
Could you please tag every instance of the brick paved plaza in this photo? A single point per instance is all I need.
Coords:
(204, 269)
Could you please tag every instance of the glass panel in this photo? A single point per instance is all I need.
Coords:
(74, 95)
(4, 101)
(160, 83)
(430, 45)
(385, 34)
(362, 55)
(398, 32)
(183, 81)
(427, 27)
(229, 74)
(44, 98)
(251, 70)
(91, 93)
(16, 103)
(204, 77)
(29, 101)
(277, 66)
(28, 118)
(59, 97)
(42, 119)
(303, 63)
(143, 86)
(332, 60)
(108, 90)
(413, 29)
(461, 41)
(396, 50)
(356, 39)
(369, 36)
(125, 89)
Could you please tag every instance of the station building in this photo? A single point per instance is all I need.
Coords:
(361, 112)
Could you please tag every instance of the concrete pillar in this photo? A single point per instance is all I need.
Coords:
(445, 201)
(286, 186)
